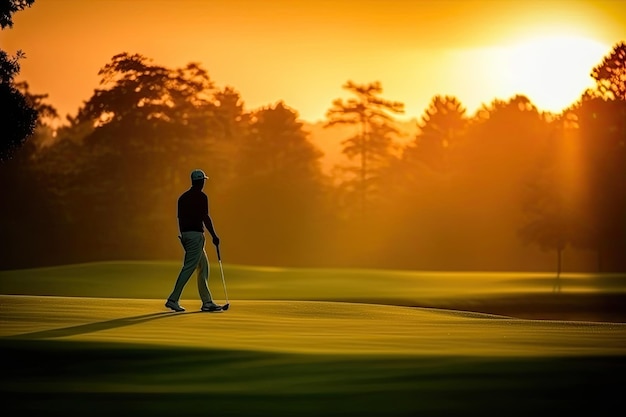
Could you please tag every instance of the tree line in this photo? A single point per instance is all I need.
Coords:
(483, 191)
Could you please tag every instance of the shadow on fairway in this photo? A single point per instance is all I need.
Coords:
(98, 326)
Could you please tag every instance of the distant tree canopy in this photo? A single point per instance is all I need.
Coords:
(153, 120)
(119, 166)
(137, 91)
(440, 129)
(18, 117)
(278, 172)
(139, 135)
(482, 191)
(46, 112)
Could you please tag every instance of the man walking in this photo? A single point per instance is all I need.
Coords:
(193, 214)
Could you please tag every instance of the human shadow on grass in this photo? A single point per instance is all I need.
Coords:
(98, 326)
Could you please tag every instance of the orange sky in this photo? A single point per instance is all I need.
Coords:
(303, 51)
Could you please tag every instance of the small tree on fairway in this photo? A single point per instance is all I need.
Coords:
(551, 213)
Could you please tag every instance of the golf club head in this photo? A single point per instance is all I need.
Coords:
(226, 306)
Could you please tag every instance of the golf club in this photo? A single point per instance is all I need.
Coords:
(219, 260)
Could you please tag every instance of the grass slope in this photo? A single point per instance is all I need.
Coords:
(305, 327)
(300, 358)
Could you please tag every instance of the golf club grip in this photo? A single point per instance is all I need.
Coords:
(219, 258)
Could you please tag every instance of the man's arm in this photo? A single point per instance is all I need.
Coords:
(208, 223)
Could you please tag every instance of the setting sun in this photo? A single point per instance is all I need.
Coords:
(552, 71)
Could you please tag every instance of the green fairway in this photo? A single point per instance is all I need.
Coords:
(96, 339)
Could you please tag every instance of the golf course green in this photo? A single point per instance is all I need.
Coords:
(96, 339)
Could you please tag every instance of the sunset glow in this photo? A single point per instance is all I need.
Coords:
(302, 52)
(418, 207)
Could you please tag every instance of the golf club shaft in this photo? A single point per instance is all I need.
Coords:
(223, 281)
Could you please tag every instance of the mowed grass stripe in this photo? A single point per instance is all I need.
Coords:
(301, 327)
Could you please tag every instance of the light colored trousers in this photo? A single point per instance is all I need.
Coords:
(195, 259)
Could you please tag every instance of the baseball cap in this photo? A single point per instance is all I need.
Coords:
(198, 174)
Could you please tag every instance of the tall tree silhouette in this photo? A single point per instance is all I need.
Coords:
(144, 108)
(440, 128)
(229, 125)
(18, 117)
(500, 150)
(278, 189)
(145, 123)
(372, 117)
(492, 146)
(418, 189)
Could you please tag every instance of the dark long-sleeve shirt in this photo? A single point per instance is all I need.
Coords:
(193, 211)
